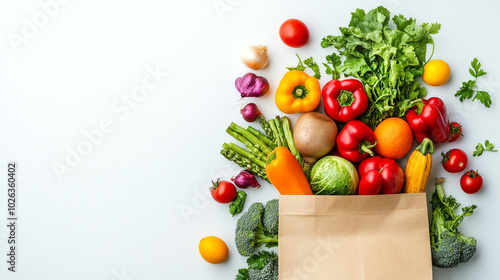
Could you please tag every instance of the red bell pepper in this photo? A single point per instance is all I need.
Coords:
(344, 100)
(356, 141)
(429, 119)
(380, 175)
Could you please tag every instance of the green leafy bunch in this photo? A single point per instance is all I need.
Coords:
(386, 60)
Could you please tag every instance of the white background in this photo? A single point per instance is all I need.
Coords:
(117, 214)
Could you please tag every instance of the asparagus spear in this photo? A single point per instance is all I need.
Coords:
(267, 129)
(247, 143)
(259, 144)
(277, 139)
(287, 131)
(281, 134)
(243, 159)
(262, 137)
(243, 152)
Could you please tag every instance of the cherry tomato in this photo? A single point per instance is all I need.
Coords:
(454, 161)
(294, 33)
(471, 182)
(223, 191)
(455, 131)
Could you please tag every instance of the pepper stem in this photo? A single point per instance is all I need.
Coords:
(426, 147)
(366, 147)
(271, 157)
(300, 92)
(420, 106)
(346, 98)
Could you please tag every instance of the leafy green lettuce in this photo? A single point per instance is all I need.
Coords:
(386, 60)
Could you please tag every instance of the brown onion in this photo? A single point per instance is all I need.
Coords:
(255, 57)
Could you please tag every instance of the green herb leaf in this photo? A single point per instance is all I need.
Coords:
(259, 260)
(432, 28)
(479, 150)
(469, 89)
(357, 17)
(242, 274)
(483, 97)
(299, 66)
(488, 146)
(334, 61)
(476, 69)
(466, 91)
(313, 66)
(309, 64)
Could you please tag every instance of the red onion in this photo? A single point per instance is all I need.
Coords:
(251, 85)
(250, 112)
(245, 180)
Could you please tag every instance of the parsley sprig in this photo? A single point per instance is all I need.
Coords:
(334, 61)
(469, 89)
(488, 146)
(309, 63)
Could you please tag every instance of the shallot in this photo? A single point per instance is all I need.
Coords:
(250, 112)
(245, 179)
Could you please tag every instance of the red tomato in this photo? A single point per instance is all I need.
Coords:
(455, 131)
(471, 182)
(454, 161)
(294, 33)
(223, 191)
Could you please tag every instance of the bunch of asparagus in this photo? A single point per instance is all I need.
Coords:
(278, 132)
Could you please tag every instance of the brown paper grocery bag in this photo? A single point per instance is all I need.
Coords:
(379, 237)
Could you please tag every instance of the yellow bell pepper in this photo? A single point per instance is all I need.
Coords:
(298, 93)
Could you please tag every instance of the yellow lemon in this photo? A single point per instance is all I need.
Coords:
(213, 249)
(436, 72)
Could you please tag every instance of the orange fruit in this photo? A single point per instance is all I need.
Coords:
(213, 249)
(394, 138)
(436, 72)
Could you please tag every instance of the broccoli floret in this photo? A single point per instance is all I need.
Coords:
(268, 272)
(468, 247)
(271, 216)
(261, 266)
(250, 233)
(449, 247)
(446, 249)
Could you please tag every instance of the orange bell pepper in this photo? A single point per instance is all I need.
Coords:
(285, 173)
